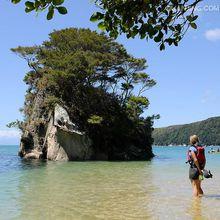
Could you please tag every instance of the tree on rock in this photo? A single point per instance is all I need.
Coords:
(99, 84)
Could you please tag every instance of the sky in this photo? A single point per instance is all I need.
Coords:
(188, 76)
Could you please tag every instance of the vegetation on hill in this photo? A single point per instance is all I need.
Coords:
(100, 85)
(208, 131)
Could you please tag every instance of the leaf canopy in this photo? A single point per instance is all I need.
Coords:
(163, 21)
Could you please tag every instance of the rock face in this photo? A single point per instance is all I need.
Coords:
(64, 141)
(61, 141)
(33, 136)
(55, 137)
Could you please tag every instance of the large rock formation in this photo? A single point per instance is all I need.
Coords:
(62, 141)
(59, 139)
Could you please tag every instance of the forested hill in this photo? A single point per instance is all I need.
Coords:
(208, 131)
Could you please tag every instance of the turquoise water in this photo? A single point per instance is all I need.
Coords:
(157, 189)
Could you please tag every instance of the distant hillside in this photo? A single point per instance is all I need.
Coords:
(208, 131)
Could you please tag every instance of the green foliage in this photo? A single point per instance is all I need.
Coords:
(136, 105)
(51, 101)
(208, 131)
(95, 119)
(165, 21)
(15, 124)
(41, 5)
(96, 80)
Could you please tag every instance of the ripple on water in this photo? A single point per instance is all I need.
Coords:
(158, 189)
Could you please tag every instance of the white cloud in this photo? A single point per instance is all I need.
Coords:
(9, 134)
(213, 34)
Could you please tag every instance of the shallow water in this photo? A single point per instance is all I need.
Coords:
(157, 189)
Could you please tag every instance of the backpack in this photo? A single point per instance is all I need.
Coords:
(200, 154)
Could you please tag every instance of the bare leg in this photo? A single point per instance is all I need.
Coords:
(200, 189)
(196, 187)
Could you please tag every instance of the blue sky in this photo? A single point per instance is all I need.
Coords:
(187, 76)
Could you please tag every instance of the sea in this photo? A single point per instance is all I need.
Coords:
(156, 189)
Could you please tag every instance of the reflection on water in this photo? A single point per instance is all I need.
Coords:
(158, 189)
(196, 209)
(96, 190)
(31, 164)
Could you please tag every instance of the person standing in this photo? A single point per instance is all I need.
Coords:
(197, 161)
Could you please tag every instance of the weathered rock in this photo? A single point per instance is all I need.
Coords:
(33, 155)
(59, 140)
(26, 144)
(62, 120)
(63, 140)
(33, 136)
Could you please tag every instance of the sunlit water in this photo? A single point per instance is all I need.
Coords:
(157, 189)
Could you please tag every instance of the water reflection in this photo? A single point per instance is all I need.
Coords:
(196, 210)
(89, 190)
(31, 164)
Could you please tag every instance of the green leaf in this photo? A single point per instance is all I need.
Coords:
(178, 27)
(96, 16)
(191, 18)
(37, 4)
(195, 17)
(193, 25)
(43, 3)
(162, 46)
(142, 36)
(58, 2)
(50, 13)
(159, 37)
(15, 1)
(102, 26)
(171, 28)
(62, 10)
(29, 5)
(113, 34)
(27, 10)
(169, 41)
(175, 43)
